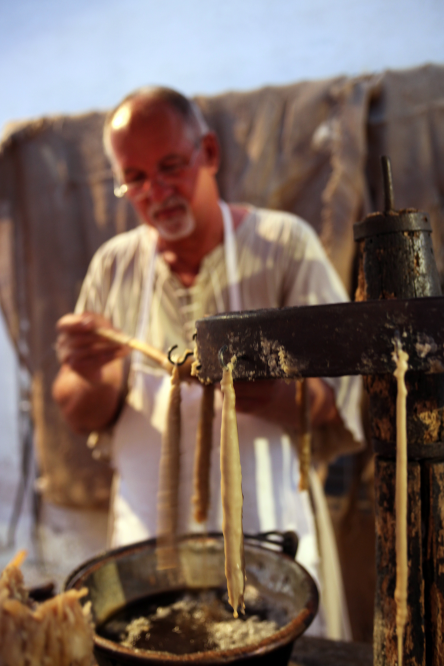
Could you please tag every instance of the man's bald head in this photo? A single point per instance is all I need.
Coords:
(139, 103)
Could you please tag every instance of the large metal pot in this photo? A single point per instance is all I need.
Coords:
(121, 576)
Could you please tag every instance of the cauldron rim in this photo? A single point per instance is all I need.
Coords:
(285, 635)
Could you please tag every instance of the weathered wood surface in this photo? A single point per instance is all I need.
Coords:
(410, 252)
(396, 266)
(425, 422)
(434, 562)
(385, 638)
(323, 340)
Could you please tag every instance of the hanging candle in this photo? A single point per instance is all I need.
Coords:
(231, 492)
(202, 456)
(401, 359)
(169, 473)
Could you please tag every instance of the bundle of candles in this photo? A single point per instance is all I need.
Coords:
(231, 474)
(56, 632)
(231, 480)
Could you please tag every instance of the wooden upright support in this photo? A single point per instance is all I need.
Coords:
(396, 261)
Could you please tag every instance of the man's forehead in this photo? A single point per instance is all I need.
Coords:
(121, 118)
(141, 115)
(140, 136)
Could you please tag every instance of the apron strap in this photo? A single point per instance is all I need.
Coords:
(146, 296)
(231, 258)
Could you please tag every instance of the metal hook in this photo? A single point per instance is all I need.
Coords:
(220, 355)
(181, 361)
(233, 359)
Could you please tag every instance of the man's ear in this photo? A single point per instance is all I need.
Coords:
(211, 150)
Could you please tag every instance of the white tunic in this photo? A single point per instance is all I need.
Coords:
(280, 262)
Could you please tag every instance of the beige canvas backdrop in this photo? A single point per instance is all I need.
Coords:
(311, 148)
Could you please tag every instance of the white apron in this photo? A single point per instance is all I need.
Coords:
(270, 469)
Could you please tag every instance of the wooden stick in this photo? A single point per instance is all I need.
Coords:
(18, 559)
(150, 352)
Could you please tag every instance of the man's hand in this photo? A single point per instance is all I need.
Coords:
(79, 347)
(275, 400)
(89, 385)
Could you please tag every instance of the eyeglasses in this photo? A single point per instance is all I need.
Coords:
(169, 173)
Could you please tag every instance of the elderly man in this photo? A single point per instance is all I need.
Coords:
(193, 255)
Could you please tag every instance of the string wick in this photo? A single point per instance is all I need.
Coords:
(397, 342)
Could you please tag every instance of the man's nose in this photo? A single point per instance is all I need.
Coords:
(158, 190)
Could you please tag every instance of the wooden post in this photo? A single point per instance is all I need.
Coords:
(396, 261)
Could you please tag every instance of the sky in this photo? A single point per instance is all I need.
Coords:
(70, 56)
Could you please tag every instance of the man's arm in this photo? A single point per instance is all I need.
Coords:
(89, 386)
(275, 400)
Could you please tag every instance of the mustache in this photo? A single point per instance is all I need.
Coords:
(173, 200)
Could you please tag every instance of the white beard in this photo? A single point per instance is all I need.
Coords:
(174, 228)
